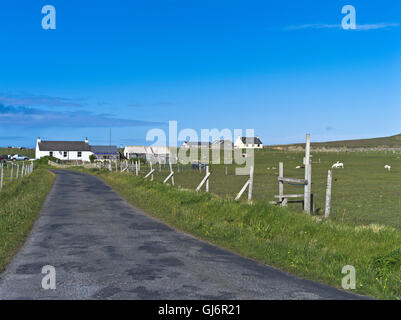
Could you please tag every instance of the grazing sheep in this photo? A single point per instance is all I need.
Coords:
(387, 167)
(299, 167)
(338, 164)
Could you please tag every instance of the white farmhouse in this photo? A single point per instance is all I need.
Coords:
(63, 150)
(248, 143)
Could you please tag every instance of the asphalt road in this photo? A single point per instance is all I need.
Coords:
(103, 248)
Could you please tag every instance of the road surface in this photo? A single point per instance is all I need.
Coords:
(104, 248)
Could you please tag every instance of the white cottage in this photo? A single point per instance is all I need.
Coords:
(248, 143)
(63, 150)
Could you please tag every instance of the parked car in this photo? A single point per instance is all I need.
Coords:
(18, 157)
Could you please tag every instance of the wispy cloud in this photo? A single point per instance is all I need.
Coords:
(27, 99)
(31, 117)
(359, 27)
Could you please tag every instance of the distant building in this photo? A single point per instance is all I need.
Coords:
(189, 144)
(105, 152)
(63, 150)
(248, 143)
(222, 144)
(154, 154)
(131, 152)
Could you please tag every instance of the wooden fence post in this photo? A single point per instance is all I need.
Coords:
(328, 195)
(17, 171)
(307, 187)
(281, 185)
(204, 180)
(250, 189)
(207, 181)
(11, 175)
(2, 177)
(248, 183)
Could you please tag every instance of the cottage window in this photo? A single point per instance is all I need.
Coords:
(65, 154)
(79, 154)
(51, 153)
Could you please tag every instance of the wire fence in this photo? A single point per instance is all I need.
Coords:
(368, 200)
(10, 171)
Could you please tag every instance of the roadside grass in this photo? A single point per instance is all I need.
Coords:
(307, 246)
(20, 203)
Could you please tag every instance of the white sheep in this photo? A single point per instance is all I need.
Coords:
(387, 167)
(338, 164)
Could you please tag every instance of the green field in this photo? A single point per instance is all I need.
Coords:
(384, 142)
(363, 192)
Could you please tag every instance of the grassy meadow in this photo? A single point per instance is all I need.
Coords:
(362, 193)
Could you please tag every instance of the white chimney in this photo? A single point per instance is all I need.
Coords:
(86, 140)
(39, 140)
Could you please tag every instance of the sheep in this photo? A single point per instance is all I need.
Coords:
(338, 164)
(387, 167)
(299, 167)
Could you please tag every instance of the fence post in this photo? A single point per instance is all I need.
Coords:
(17, 171)
(207, 181)
(249, 184)
(250, 189)
(328, 195)
(171, 170)
(283, 202)
(2, 176)
(307, 187)
(11, 175)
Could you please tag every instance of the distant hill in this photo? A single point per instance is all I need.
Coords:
(374, 143)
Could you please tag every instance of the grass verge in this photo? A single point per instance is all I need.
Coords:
(307, 246)
(20, 203)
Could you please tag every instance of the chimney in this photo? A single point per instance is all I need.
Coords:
(86, 140)
(38, 140)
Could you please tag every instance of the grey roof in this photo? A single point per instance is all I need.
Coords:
(217, 142)
(104, 149)
(198, 143)
(251, 140)
(64, 146)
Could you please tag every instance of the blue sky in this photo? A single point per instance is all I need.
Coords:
(282, 68)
